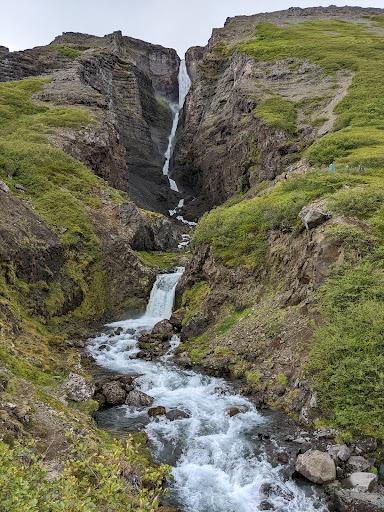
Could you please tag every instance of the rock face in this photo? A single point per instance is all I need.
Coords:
(77, 388)
(127, 84)
(361, 481)
(223, 145)
(316, 466)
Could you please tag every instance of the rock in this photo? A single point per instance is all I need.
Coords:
(271, 489)
(316, 466)
(77, 388)
(176, 414)
(361, 481)
(4, 187)
(157, 411)
(177, 319)
(339, 452)
(164, 328)
(352, 500)
(266, 505)
(184, 360)
(100, 398)
(137, 398)
(282, 458)
(195, 326)
(3, 383)
(20, 187)
(356, 463)
(114, 393)
(366, 445)
(118, 331)
(234, 411)
(312, 216)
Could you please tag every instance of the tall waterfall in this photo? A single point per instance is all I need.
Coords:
(184, 86)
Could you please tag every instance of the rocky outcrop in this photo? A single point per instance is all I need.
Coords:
(77, 388)
(223, 144)
(127, 85)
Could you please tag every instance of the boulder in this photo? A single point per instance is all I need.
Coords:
(273, 489)
(234, 411)
(114, 393)
(163, 328)
(4, 187)
(137, 398)
(176, 414)
(313, 216)
(157, 411)
(339, 452)
(177, 319)
(361, 481)
(282, 458)
(356, 463)
(316, 466)
(77, 388)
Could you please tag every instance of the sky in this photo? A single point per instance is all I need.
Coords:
(176, 24)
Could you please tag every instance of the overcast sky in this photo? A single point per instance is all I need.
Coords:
(173, 23)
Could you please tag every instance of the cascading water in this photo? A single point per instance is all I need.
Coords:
(218, 461)
(184, 86)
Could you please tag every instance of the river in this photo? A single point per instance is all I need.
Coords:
(218, 461)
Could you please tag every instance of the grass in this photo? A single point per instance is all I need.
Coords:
(193, 300)
(62, 190)
(231, 320)
(238, 234)
(160, 260)
(65, 51)
(278, 112)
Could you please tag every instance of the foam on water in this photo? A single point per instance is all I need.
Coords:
(216, 459)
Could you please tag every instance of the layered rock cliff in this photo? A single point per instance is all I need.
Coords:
(127, 85)
(249, 119)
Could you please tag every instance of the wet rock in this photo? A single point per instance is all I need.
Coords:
(361, 481)
(177, 414)
(4, 187)
(313, 216)
(118, 331)
(271, 489)
(163, 328)
(356, 463)
(316, 466)
(266, 505)
(184, 360)
(234, 411)
(157, 411)
(100, 398)
(77, 388)
(282, 458)
(137, 398)
(114, 393)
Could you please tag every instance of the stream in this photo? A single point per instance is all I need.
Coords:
(220, 463)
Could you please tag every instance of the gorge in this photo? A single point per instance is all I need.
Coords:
(191, 302)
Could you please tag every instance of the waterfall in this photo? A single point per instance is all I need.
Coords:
(163, 295)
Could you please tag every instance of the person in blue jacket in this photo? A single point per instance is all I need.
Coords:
(332, 167)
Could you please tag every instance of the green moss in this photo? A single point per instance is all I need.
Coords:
(254, 379)
(193, 300)
(197, 348)
(278, 112)
(347, 360)
(230, 321)
(282, 379)
(160, 260)
(21, 368)
(66, 51)
(238, 234)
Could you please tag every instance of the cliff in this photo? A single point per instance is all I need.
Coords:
(275, 293)
(127, 85)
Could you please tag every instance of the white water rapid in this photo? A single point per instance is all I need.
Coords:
(184, 86)
(219, 463)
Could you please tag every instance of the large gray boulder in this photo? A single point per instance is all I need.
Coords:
(137, 398)
(356, 463)
(339, 452)
(313, 216)
(77, 388)
(316, 466)
(361, 481)
(114, 393)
